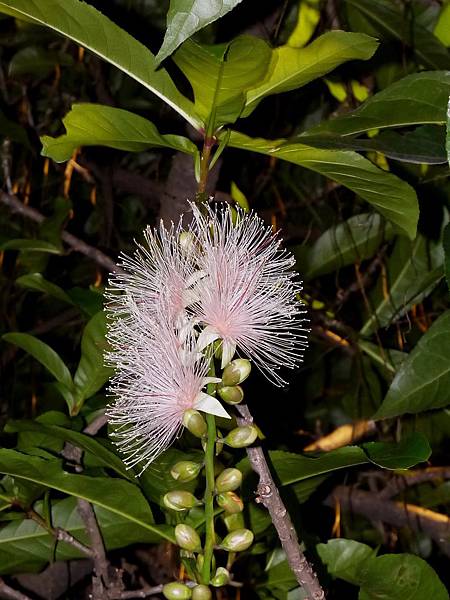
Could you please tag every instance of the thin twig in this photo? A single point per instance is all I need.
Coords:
(398, 483)
(269, 496)
(18, 207)
(10, 593)
(144, 592)
(101, 563)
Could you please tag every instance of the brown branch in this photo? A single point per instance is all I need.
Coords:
(398, 483)
(144, 592)
(269, 496)
(398, 514)
(18, 207)
(10, 593)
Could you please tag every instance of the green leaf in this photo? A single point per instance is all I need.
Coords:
(34, 60)
(295, 67)
(35, 281)
(400, 577)
(386, 358)
(423, 380)
(44, 354)
(220, 75)
(92, 373)
(446, 246)
(31, 246)
(391, 196)
(116, 495)
(86, 26)
(388, 20)
(352, 241)
(185, 17)
(25, 546)
(97, 125)
(447, 137)
(412, 272)
(346, 559)
(102, 450)
(408, 452)
(442, 29)
(404, 103)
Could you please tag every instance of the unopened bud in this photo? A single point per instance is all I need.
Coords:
(201, 592)
(194, 421)
(230, 502)
(233, 522)
(238, 540)
(221, 577)
(240, 437)
(177, 591)
(231, 394)
(187, 538)
(187, 241)
(185, 470)
(180, 500)
(228, 480)
(236, 371)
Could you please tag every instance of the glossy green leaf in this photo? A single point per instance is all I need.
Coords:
(91, 373)
(88, 27)
(31, 246)
(442, 29)
(97, 125)
(346, 559)
(294, 67)
(116, 495)
(389, 20)
(423, 380)
(25, 546)
(34, 60)
(391, 196)
(412, 272)
(352, 241)
(44, 354)
(36, 282)
(404, 103)
(185, 17)
(387, 358)
(410, 451)
(220, 75)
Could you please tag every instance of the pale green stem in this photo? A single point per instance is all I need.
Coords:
(210, 534)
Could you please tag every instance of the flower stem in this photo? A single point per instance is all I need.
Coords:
(210, 537)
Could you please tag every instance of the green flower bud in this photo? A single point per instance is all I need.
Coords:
(240, 437)
(233, 522)
(231, 394)
(187, 538)
(230, 502)
(238, 540)
(185, 470)
(221, 577)
(177, 591)
(236, 371)
(228, 480)
(180, 500)
(194, 421)
(201, 592)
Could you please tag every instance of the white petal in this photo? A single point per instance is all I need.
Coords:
(207, 337)
(207, 380)
(228, 351)
(210, 405)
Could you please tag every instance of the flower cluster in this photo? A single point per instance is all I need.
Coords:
(223, 279)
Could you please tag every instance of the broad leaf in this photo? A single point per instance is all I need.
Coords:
(97, 125)
(391, 196)
(412, 272)
(35, 281)
(86, 26)
(31, 246)
(410, 451)
(386, 358)
(294, 67)
(220, 75)
(116, 495)
(345, 559)
(404, 103)
(352, 241)
(185, 17)
(423, 380)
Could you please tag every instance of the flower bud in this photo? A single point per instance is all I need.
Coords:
(231, 394)
(194, 421)
(201, 560)
(186, 240)
(180, 500)
(240, 437)
(228, 480)
(236, 371)
(230, 502)
(185, 470)
(238, 540)
(201, 592)
(221, 577)
(176, 591)
(187, 538)
(233, 522)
